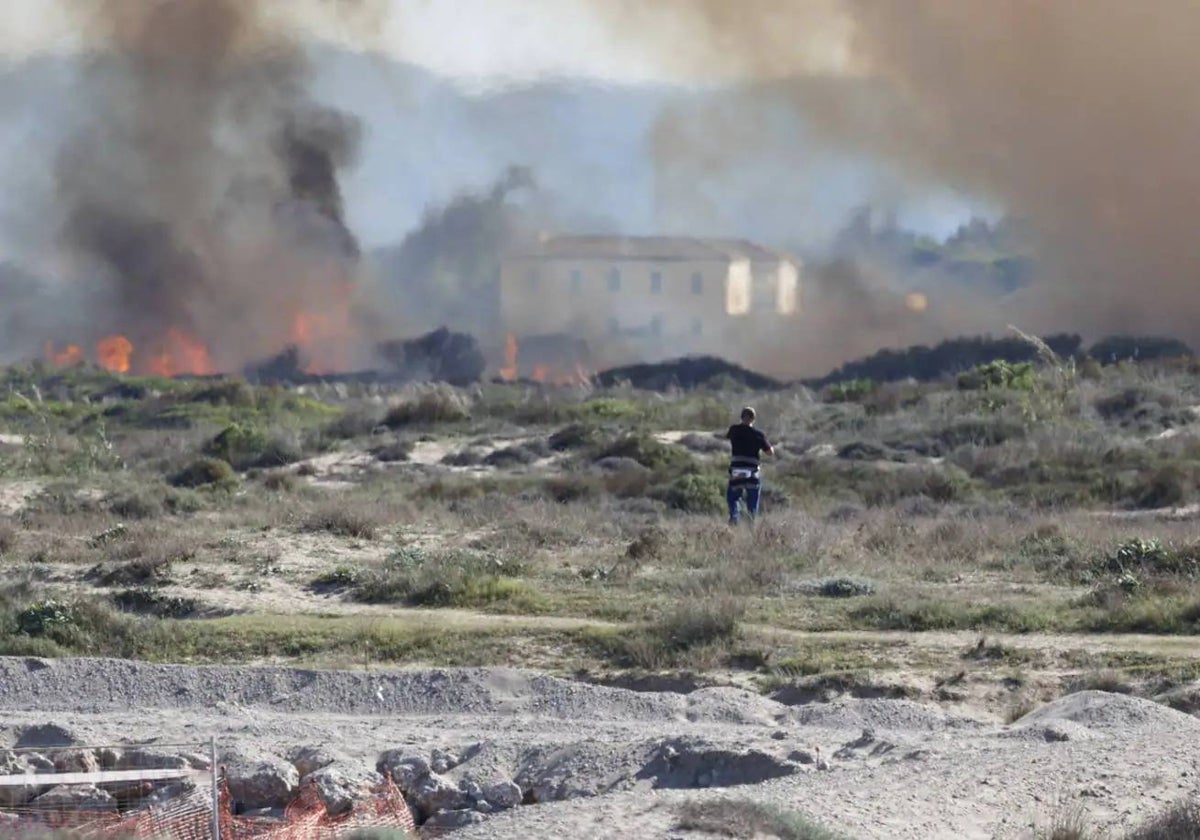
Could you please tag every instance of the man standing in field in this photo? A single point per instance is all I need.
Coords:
(746, 443)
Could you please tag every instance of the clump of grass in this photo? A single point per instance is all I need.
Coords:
(343, 520)
(441, 579)
(436, 404)
(1069, 824)
(840, 587)
(576, 436)
(142, 571)
(359, 421)
(339, 577)
(150, 601)
(693, 493)
(145, 502)
(922, 615)
(518, 455)
(281, 481)
(1180, 822)
(647, 451)
(8, 538)
(205, 472)
(393, 451)
(745, 818)
(698, 631)
(246, 446)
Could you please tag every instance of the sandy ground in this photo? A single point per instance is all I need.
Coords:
(896, 769)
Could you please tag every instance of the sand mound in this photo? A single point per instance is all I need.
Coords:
(1100, 711)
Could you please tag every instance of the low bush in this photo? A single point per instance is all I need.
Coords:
(999, 374)
(647, 451)
(696, 632)
(152, 602)
(693, 493)
(246, 447)
(436, 404)
(205, 472)
(442, 579)
(745, 818)
(342, 520)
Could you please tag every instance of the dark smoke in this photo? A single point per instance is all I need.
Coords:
(314, 146)
(446, 270)
(1079, 116)
(201, 187)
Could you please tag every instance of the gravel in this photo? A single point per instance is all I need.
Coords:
(610, 762)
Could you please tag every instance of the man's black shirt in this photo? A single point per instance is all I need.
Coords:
(747, 442)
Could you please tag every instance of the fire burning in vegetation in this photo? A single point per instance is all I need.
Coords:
(564, 371)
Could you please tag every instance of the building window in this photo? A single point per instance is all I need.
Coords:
(656, 325)
(697, 326)
(656, 283)
(576, 281)
(697, 283)
(613, 326)
(614, 280)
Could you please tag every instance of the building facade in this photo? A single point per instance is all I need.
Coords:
(647, 297)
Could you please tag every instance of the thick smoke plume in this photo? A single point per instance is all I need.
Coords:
(200, 191)
(1078, 116)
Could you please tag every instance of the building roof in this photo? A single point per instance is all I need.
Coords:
(649, 248)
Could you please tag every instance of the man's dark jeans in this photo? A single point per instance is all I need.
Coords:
(734, 494)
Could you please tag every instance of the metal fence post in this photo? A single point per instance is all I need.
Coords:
(216, 794)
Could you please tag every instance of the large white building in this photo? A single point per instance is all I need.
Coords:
(647, 297)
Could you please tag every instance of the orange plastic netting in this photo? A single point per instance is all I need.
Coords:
(190, 818)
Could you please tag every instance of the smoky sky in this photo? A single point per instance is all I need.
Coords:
(1079, 116)
(199, 190)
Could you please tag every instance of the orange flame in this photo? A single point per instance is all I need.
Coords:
(510, 370)
(72, 354)
(113, 353)
(323, 337)
(180, 353)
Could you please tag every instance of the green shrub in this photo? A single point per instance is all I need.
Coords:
(206, 472)
(342, 520)
(694, 494)
(149, 601)
(142, 503)
(647, 451)
(853, 390)
(442, 579)
(436, 404)
(999, 374)
(245, 447)
(576, 436)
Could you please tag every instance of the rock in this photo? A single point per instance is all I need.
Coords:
(14, 764)
(458, 818)
(259, 780)
(435, 793)
(442, 761)
(502, 795)
(151, 759)
(77, 798)
(109, 757)
(168, 793)
(45, 735)
(801, 757)
(76, 761)
(311, 759)
(406, 769)
(340, 786)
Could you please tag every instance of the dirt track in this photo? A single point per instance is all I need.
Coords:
(919, 773)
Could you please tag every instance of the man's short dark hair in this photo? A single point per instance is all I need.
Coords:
(748, 414)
